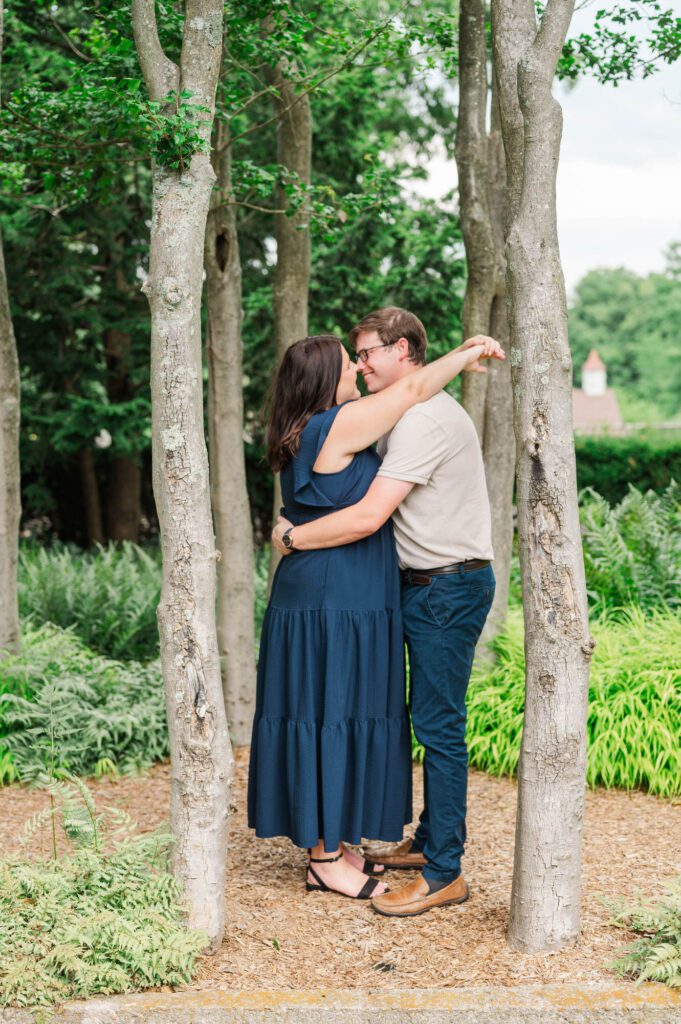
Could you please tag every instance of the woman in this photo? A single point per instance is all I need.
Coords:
(331, 751)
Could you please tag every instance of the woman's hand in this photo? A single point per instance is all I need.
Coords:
(282, 525)
(481, 346)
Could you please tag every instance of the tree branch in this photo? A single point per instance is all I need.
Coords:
(345, 63)
(160, 73)
(550, 39)
(202, 53)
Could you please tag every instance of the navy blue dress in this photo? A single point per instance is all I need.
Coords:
(331, 751)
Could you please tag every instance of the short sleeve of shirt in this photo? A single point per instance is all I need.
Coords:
(416, 447)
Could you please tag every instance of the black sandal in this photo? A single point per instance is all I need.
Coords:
(373, 869)
(365, 893)
(370, 869)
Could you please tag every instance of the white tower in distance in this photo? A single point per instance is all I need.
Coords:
(594, 377)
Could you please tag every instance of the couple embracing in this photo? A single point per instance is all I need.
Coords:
(382, 547)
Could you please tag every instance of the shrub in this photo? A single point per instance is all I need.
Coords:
(632, 552)
(99, 715)
(657, 956)
(106, 917)
(108, 596)
(634, 718)
(648, 461)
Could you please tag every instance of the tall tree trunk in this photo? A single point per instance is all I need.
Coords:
(199, 742)
(10, 475)
(552, 770)
(499, 457)
(94, 525)
(123, 499)
(482, 186)
(476, 225)
(229, 494)
(498, 437)
(292, 278)
(10, 472)
(124, 478)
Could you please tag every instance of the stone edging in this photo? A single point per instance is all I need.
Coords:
(528, 1004)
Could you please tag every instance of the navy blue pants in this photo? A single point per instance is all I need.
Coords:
(442, 623)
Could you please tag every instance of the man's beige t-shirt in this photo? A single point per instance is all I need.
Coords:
(446, 516)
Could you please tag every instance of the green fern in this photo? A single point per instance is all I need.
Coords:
(57, 698)
(108, 596)
(632, 551)
(105, 918)
(656, 956)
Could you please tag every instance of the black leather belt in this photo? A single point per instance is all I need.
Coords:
(425, 576)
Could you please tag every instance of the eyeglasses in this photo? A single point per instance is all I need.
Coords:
(363, 354)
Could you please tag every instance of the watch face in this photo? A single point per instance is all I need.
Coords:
(286, 540)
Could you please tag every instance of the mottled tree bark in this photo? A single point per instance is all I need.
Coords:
(482, 185)
(10, 475)
(10, 472)
(476, 226)
(292, 279)
(229, 494)
(199, 742)
(552, 770)
(498, 436)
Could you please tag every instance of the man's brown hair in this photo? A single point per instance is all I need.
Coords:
(391, 324)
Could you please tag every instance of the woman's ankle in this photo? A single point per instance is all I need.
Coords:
(319, 852)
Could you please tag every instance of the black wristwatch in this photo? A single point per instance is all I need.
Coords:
(287, 539)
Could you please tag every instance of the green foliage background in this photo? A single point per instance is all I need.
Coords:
(634, 323)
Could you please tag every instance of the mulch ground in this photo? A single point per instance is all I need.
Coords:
(280, 937)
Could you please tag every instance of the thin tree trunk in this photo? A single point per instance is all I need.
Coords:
(94, 524)
(124, 477)
(10, 470)
(476, 226)
(10, 474)
(199, 742)
(229, 494)
(123, 499)
(482, 185)
(292, 278)
(498, 438)
(499, 457)
(552, 770)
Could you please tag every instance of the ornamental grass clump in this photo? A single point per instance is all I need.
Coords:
(657, 955)
(103, 917)
(59, 699)
(634, 720)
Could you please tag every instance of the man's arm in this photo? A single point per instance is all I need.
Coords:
(350, 524)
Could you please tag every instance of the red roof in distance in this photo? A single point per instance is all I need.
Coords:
(594, 362)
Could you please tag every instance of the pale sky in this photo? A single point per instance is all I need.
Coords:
(619, 179)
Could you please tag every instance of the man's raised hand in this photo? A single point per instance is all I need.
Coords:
(488, 349)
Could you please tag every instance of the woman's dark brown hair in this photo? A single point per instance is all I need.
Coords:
(305, 383)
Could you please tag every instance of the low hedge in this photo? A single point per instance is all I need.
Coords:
(647, 460)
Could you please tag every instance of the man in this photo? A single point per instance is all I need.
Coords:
(432, 483)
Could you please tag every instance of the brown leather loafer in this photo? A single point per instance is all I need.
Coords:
(415, 898)
(400, 856)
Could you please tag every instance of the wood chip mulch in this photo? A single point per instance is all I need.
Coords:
(280, 937)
